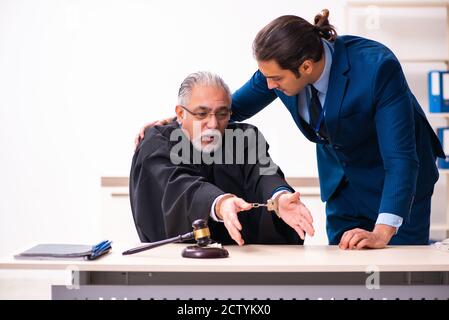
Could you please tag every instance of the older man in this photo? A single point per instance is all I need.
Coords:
(202, 167)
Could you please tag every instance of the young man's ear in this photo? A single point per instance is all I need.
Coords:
(306, 67)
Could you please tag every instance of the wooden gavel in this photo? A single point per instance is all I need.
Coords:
(200, 232)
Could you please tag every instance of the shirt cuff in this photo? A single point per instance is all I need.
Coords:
(279, 190)
(212, 214)
(390, 220)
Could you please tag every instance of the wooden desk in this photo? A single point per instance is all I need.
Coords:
(256, 271)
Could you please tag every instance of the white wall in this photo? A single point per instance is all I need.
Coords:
(79, 78)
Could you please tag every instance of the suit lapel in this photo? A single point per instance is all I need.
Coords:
(292, 104)
(336, 88)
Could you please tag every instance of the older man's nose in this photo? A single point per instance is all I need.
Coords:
(212, 122)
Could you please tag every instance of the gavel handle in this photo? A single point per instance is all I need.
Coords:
(181, 237)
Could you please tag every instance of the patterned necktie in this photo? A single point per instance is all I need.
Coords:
(315, 111)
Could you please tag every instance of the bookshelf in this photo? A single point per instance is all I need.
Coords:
(442, 115)
(370, 8)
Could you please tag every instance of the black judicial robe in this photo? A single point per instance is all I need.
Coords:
(166, 198)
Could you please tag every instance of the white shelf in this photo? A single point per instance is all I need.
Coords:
(398, 3)
(436, 115)
(424, 60)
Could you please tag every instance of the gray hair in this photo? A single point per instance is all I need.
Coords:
(200, 78)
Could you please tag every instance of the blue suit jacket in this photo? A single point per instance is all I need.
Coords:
(380, 138)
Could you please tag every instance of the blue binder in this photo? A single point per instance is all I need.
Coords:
(443, 134)
(438, 91)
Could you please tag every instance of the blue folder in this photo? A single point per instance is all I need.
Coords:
(66, 251)
(438, 82)
(443, 134)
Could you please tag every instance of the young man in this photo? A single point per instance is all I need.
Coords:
(375, 149)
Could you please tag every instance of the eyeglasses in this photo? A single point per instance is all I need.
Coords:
(221, 114)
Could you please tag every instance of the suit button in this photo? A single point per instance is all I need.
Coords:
(336, 147)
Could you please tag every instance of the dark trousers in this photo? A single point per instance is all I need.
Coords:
(344, 212)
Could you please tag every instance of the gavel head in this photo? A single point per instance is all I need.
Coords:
(201, 232)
